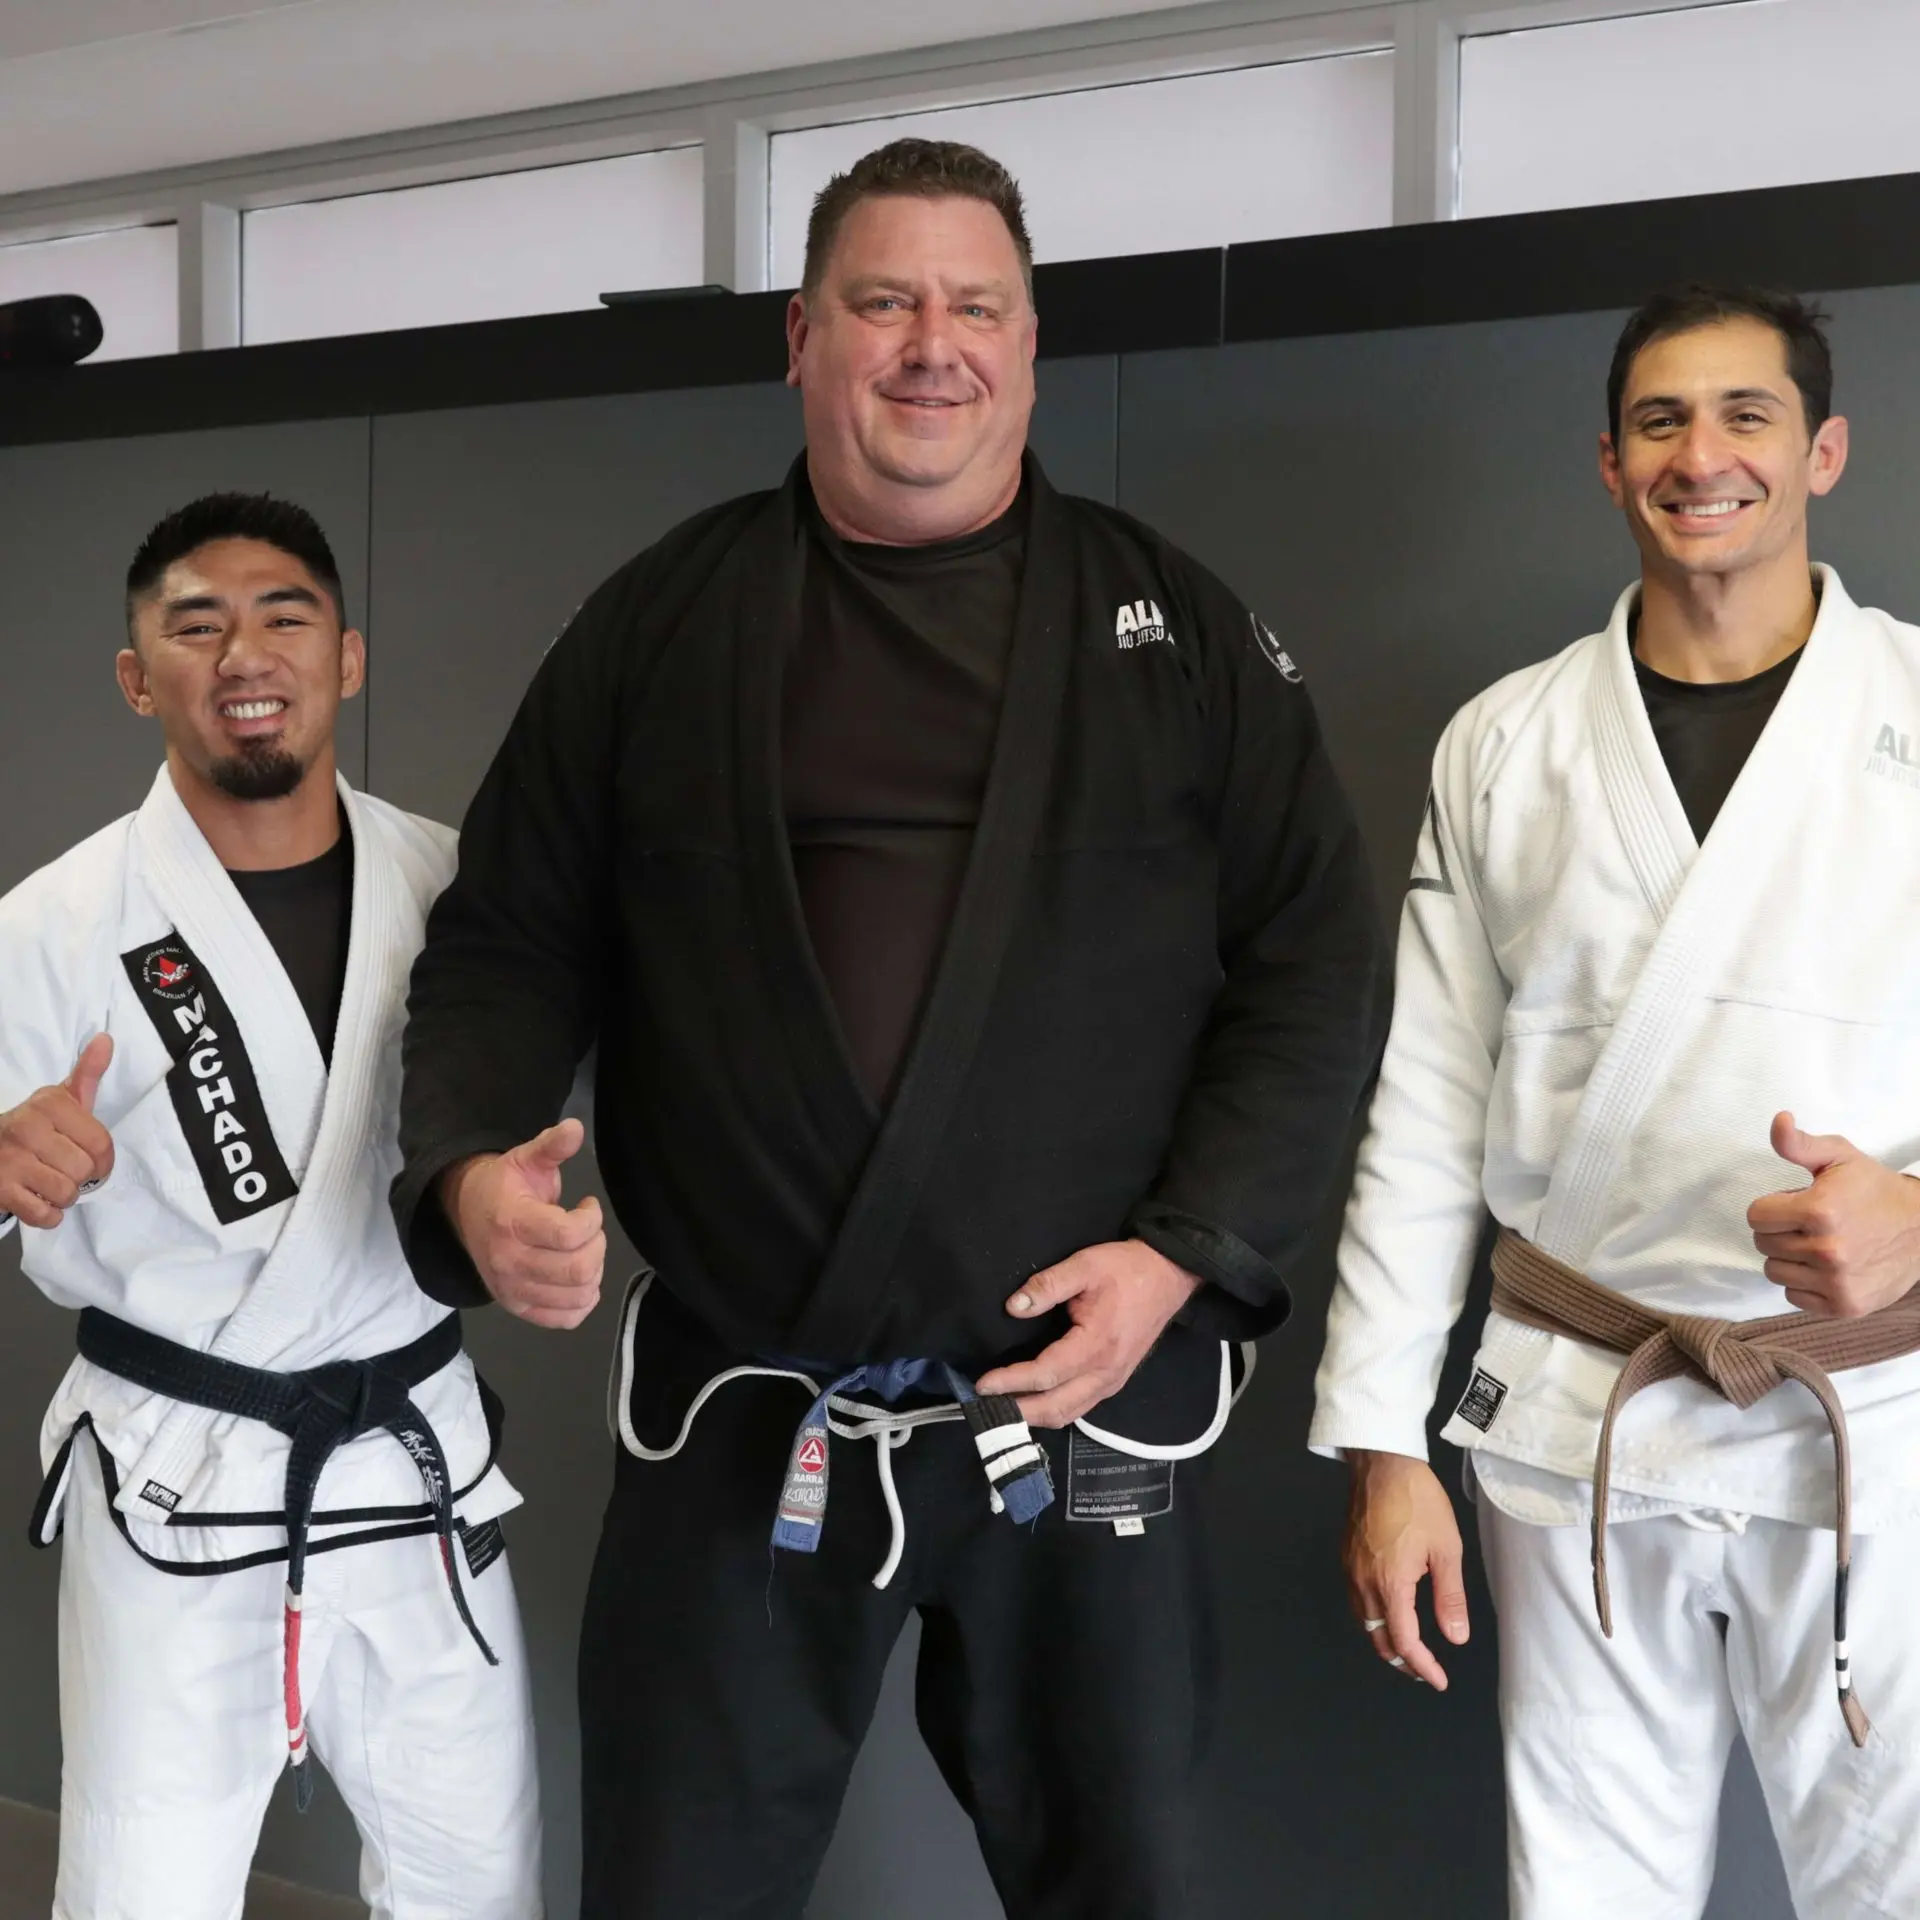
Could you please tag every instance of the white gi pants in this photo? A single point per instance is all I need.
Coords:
(174, 1731)
(1615, 1749)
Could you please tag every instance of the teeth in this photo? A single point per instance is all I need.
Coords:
(1702, 509)
(254, 709)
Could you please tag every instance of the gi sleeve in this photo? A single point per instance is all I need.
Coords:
(505, 995)
(1414, 1219)
(1294, 1032)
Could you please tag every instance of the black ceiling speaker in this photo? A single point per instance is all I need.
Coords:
(54, 330)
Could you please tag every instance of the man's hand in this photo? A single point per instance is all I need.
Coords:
(539, 1259)
(1400, 1528)
(1120, 1296)
(51, 1145)
(1846, 1245)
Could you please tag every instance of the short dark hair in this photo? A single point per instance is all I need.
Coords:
(1800, 324)
(922, 169)
(234, 516)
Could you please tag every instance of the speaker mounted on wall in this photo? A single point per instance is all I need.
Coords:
(51, 330)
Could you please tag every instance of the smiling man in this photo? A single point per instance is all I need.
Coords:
(978, 949)
(1661, 916)
(272, 1462)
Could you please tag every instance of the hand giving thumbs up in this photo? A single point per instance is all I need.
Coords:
(51, 1146)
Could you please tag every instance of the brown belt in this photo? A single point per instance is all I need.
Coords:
(1740, 1359)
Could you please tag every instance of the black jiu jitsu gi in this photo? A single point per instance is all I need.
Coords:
(1155, 1010)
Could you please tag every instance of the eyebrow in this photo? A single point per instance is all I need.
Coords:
(1671, 400)
(288, 596)
(193, 603)
(890, 283)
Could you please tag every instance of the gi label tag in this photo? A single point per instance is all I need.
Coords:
(162, 1497)
(1480, 1404)
(483, 1545)
(803, 1500)
(1109, 1486)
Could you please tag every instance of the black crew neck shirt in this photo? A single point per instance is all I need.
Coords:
(1706, 731)
(306, 912)
(890, 706)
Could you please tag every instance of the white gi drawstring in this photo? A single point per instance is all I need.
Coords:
(859, 1420)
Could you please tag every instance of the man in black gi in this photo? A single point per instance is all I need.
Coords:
(980, 955)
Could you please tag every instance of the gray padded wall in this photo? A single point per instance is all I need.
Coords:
(72, 757)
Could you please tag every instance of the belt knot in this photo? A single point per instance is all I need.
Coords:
(1739, 1369)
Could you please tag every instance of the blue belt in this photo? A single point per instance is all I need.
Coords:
(1018, 1479)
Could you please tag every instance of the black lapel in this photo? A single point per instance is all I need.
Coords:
(767, 566)
(847, 1297)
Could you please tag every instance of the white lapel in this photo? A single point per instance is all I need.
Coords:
(1692, 894)
(325, 1218)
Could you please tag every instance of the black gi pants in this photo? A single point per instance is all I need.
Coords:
(1066, 1679)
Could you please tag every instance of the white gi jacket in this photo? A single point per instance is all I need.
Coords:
(1596, 1021)
(247, 1211)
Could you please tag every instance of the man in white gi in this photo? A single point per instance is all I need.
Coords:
(1662, 914)
(273, 1462)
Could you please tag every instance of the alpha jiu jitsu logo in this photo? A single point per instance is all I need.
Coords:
(1894, 758)
(1139, 623)
(168, 973)
(1277, 655)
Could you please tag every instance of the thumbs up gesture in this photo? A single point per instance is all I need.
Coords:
(1850, 1242)
(538, 1258)
(51, 1146)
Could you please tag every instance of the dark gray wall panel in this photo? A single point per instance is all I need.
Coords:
(1415, 514)
(73, 758)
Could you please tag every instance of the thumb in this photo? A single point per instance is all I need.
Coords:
(1048, 1288)
(546, 1153)
(1816, 1152)
(90, 1069)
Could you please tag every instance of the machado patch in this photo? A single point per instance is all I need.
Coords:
(1112, 1487)
(215, 1093)
(1480, 1404)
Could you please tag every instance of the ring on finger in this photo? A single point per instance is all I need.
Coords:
(1371, 1626)
(1397, 1661)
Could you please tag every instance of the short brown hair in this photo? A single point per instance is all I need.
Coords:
(926, 170)
(1680, 309)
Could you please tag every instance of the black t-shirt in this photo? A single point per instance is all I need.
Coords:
(306, 912)
(890, 706)
(1706, 731)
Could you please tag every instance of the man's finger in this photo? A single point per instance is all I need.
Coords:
(556, 1229)
(1049, 1369)
(560, 1319)
(1403, 1627)
(1797, 1210)
(1794, 1274)
(1794, 1246)
(1814, 1151)
(552, 1149)
(1048, 1288)
(90, 1069)
(1062, 1407)
(1450, 1595)
(30, 1210)
(63, 1154)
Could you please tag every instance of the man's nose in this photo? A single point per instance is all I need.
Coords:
(933, 342)
(246, 656)
(1703, 451)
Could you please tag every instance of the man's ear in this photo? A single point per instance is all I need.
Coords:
(1610, 470)
(353, 662)
(798, 327)
(1828, 459)
(131, 673)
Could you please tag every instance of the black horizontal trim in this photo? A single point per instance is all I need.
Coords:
(1832, 235)
(1827, 236)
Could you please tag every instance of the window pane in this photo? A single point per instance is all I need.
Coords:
(1705, 101)
(541, 241)
(131, 275)
(1197, 162)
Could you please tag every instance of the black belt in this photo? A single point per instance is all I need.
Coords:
(319, 1409)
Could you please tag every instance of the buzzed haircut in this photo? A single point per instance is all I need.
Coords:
(920, 169)
(234, 516)
(1800, 324)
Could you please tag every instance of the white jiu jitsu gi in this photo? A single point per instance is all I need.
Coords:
(246, 1217)
(1597, 1019)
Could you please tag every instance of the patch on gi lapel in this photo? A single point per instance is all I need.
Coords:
(1107, 1485)
(1480, 1404)
(216, 1096)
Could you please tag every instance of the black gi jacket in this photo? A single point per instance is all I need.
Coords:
(1156, 1011)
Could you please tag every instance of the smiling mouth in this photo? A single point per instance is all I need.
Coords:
(252, 709)
(1704, 509)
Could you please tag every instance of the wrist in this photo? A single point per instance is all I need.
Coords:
(449, 1187)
